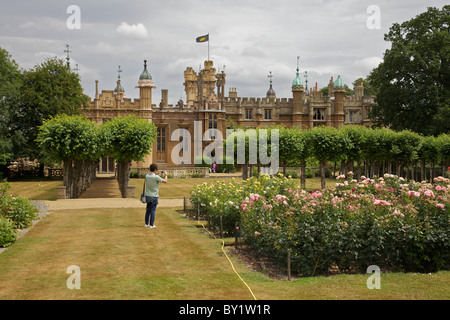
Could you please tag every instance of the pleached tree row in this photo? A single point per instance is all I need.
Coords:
(365, 151)
(378, 151)
(78, 144)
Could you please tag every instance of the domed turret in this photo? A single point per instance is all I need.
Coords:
(270, 93)
(297, 81)
(145, 85)
(145, 75)
(338, 83)
(121, 89)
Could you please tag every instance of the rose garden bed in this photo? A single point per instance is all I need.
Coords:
(389, 222)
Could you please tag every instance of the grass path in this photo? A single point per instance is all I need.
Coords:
(121, 259)
(118, 258)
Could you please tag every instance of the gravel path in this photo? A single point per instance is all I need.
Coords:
(64, 204)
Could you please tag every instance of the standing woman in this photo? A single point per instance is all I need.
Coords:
(152, 181)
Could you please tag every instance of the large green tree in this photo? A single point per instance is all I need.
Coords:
(10, 84)
(48, 89)
(412, 83)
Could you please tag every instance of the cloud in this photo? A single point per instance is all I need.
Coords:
(368, 63)
(135, 30)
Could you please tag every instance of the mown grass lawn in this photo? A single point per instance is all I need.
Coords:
(121, 259)
(36, 189)
(179, 188)
(175, 189)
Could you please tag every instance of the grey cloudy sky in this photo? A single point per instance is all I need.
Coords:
(249, 37)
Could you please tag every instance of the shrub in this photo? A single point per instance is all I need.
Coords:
(293, 174)
(134, 174)
(224, 199)
(203, 161)
(14, 213)
(21, 212)
(224, 166)
(7, 232)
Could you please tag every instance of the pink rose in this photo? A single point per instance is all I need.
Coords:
(429, 193)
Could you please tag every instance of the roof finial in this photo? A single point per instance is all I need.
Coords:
(306, 79)
(119, 71)
(270, 76)
(67, 57)
(298, 63)
(145, 63)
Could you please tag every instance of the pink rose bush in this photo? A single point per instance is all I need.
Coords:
(387, 221)
(229, 200)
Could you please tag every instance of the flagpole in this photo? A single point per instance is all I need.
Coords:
(208, 46)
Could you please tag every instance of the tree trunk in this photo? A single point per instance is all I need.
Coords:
(366, 168)
(68, 177)
(358, 170)
(322, 174)
(423, 170)
(432, 171)
(334, 170)
(245, 171)
(372, 168)
(123, 176)
(303, 174)
(399, 167)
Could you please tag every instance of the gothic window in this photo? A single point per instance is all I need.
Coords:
(212, 126)
(268, 114)
(248, 114)
(352, 116)
(161, 139)
(319, 114)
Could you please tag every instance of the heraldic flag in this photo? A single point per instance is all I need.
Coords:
(202, 38)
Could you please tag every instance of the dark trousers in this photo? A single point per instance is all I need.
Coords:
(152, 203)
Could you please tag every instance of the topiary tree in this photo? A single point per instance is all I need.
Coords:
(294, 145)
(443, 143)
(127, 139)
(75, 141)
(328, 144)
(405, 148)
(356, 134)
(253, 147)
(428, 153)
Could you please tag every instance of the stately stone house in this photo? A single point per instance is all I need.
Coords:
(206, 104)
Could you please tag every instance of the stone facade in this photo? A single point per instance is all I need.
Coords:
(207, 105)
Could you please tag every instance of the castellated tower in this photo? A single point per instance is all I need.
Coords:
(297, 103)
(190, 86)
(145, 85)
(339, 92)
(297, 92)
(359, 90)
(200, 88)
